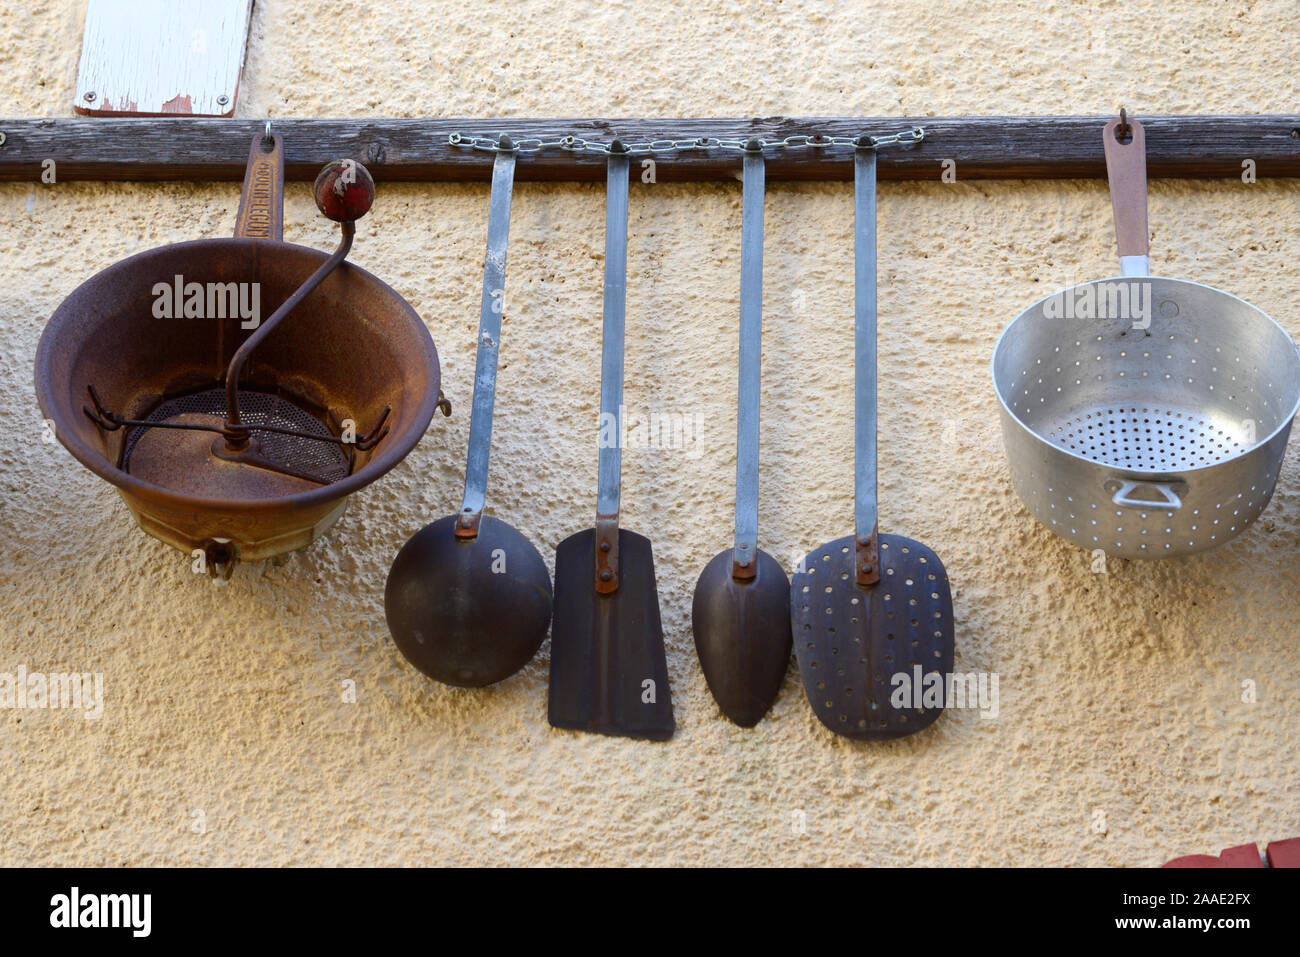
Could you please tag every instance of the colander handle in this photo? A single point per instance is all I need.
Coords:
(1123, 495)
(1126, 171)
(261, 205)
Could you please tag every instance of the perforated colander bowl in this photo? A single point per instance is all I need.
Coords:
(1146, 417)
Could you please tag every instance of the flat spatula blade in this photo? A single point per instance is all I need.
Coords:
(609, 673)
(868, 655)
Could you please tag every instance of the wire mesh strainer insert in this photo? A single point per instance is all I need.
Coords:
(321, 461)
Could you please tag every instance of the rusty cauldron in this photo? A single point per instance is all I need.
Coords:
(230, 436)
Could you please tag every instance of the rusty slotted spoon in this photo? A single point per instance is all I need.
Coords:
(871, 613)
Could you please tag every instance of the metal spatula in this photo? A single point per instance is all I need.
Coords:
(608, 670)
(871, 613)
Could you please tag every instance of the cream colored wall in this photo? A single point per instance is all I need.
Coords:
(1120, 694)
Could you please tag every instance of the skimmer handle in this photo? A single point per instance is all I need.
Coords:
(864, 364)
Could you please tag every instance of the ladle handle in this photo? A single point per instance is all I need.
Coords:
(745, 559)
(489, 338)
(610, 462)
(864, 365)
(1126, 170)
(261, 206)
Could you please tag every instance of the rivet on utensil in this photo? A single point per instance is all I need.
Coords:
(222, 100)
(89, 96)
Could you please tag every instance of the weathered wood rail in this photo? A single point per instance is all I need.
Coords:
(989, 147)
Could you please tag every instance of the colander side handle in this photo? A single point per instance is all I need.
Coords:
(1123, 495)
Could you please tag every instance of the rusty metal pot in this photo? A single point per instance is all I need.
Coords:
(351, 359)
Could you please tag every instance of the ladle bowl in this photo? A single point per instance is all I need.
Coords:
(468, 612)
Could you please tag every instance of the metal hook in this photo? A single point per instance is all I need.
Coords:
(1123, 131)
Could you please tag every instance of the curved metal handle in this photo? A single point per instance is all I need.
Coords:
(1171, 499)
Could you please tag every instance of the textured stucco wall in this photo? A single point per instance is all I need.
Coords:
(1120, 694)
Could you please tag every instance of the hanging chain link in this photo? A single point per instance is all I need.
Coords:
(577, 144)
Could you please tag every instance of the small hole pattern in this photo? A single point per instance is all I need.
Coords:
(851, 640)
(1149, 438)
(1084, 513)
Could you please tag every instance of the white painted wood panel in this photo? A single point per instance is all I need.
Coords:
(162, 57)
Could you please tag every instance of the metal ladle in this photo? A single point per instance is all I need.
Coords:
(468, 599)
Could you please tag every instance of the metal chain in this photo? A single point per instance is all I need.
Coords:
(577, 144)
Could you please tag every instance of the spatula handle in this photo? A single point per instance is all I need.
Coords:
(611, 370)
(489, 338)
(864, 363)
(745, 560)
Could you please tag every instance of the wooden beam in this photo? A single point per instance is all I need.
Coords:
(990, 147)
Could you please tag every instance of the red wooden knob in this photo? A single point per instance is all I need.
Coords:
(344, 191)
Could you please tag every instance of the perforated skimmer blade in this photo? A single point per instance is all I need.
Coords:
(872, 658)
(871, 613)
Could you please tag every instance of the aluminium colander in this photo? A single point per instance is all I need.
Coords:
(1146, 417)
